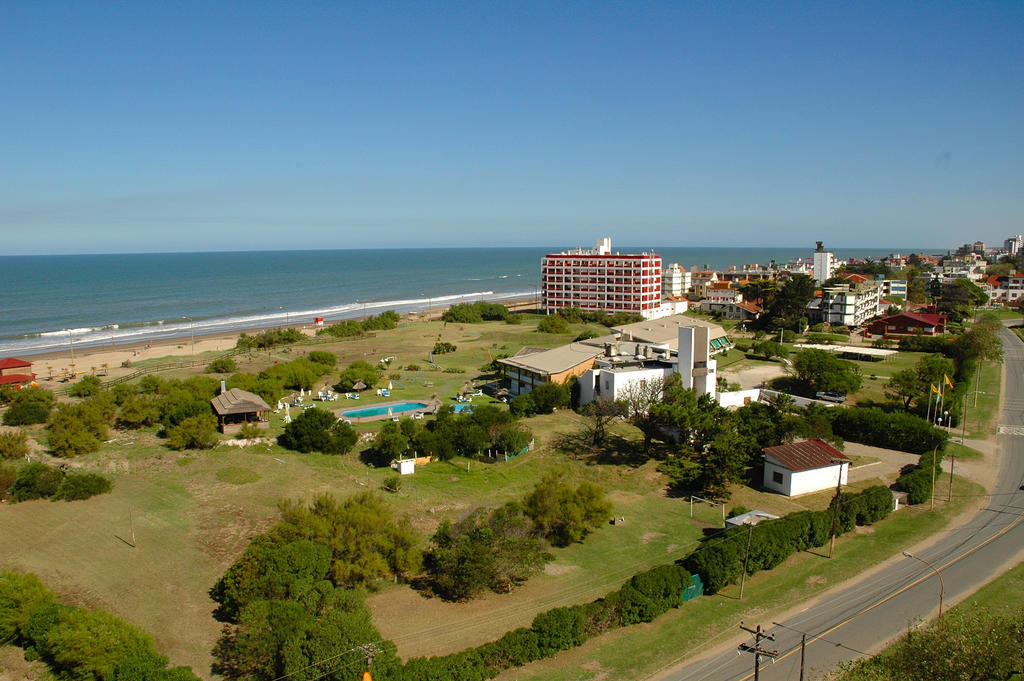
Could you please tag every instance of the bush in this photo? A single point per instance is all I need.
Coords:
(36, 481)
(357, 371)
(443, 348)
(393, 483)
(564, 515)
(86, 387)
(249, 431)
(719, 563)
(896, 430)
(77, 486)
(29, 405)
(195, 432)
(323, 358)
(13, 445)
(269, 339)
(475, 313)
(549, 396)
(222, 365)
(553, 324)
(77, 429)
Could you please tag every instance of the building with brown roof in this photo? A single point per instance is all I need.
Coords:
(236, 408)
(804, 467)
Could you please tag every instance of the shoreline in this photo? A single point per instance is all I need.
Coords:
(107, 360)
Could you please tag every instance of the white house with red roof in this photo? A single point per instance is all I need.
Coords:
(14, 371)
(804, 467)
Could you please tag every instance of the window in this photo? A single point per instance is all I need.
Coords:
(777, 477)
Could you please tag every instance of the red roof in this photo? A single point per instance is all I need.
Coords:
(749, 307)
(803, 456)
(13, 363)
(925, 318)
(855, 277)
(17, 378)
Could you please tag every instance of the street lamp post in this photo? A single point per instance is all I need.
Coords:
(192, 333)
(942, 585)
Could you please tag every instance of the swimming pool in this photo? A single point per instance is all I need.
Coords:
(383, 409)
(463, 408)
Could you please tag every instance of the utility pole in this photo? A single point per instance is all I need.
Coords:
(803, 649)
(746, 557)
(756, 648)
(835, 506)
(934, 463)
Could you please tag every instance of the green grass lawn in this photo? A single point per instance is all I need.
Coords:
(645, 651)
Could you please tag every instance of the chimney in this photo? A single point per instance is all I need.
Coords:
(223, 387)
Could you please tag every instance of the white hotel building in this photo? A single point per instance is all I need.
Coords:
(597, 279)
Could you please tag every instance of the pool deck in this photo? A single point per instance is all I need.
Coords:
(431, 408)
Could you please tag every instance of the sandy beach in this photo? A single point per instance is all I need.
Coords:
(112, 361)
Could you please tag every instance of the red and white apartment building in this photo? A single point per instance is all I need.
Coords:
(597, 279)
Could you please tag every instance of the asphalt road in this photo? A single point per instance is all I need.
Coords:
(848, 623)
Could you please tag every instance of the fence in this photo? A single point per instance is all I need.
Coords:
(187, 364)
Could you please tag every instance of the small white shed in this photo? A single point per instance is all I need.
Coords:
(804, 467)
(404, 466)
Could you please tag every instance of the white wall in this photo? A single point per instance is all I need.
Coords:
(615, 384)
(739, 398)
(803, 482)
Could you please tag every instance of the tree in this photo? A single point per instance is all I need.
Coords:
(86, 387)
(367, 542)
(310, 431)
(791, 301)
(769, 349)
(138, 411)
(443, 348)
(195, 432)
(640, 398)
(13, 445)
(562, 514)
(222, 365)
(819, 370)
(389, 444)
(325, 359)
(549, 396)
(599, 414)
(77, 429)
(358, 371)
(28, 406)
(486, 550)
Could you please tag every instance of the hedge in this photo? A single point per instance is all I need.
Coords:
(644, 597)
(891, 430)
(917, 483)
(773, 541)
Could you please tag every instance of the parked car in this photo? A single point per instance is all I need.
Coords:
(831, 396)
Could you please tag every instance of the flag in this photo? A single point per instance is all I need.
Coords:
(948, 382)
(934, 389)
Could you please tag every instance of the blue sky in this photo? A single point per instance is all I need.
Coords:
(217, 126)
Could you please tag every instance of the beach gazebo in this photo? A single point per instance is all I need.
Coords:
(237, 407)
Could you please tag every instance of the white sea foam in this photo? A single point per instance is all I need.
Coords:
(122, 334)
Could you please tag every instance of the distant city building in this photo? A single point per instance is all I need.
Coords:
(894, 287)
(675, 281)
(1014, 244)
(824, 264)
(599, 280)
(846, 304)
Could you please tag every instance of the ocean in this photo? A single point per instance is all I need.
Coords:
(50, 301)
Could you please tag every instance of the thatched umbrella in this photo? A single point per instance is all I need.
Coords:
(359, 386)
